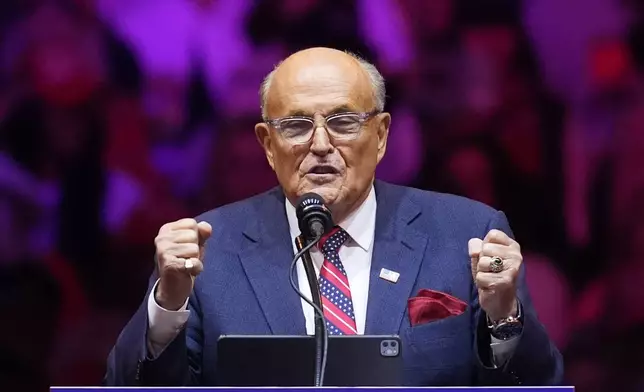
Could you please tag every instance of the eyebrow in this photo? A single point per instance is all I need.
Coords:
(335, 110)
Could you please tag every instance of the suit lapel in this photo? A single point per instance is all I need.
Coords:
(397, 247)
(266, 257)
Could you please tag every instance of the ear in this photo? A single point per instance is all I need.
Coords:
(264, 137)
(384, 121)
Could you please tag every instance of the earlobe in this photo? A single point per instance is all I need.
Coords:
(263, 135)
(383, 133)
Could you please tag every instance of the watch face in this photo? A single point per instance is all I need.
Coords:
(507, 331)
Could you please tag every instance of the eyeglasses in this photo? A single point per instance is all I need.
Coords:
(341, 126)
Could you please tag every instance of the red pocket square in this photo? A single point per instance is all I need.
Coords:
(432, 305)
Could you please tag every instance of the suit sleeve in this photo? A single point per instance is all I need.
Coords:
(130, 363)
(536, 360)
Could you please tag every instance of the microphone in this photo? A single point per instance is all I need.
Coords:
(314, 220)
(313, 217)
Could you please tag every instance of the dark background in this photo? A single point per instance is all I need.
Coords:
(117, 116)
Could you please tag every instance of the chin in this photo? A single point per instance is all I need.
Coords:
(330, 193)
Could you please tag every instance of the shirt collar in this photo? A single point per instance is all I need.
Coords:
(360, 224)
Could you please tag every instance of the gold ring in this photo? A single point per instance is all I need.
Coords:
(496, 265)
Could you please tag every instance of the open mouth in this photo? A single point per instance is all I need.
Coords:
(323, 169)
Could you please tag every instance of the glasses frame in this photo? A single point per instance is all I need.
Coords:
(363, 117)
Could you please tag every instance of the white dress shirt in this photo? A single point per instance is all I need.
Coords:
(355, 254)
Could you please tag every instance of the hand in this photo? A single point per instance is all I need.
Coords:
(178, 245)
(497, 290)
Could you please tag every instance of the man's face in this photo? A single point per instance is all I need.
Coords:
(341, 171)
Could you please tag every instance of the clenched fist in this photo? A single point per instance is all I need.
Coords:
(179, 255)
(497, 290)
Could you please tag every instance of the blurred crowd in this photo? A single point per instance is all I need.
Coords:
(117, 116)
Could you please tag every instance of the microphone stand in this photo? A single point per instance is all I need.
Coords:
(320, 335)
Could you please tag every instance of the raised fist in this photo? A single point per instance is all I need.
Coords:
(179, 255)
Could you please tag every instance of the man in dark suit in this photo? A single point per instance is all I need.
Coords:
(325, 130)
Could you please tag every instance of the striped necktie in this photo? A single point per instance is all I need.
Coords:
(334, 286)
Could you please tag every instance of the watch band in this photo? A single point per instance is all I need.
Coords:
(510, 319)
(508, 327)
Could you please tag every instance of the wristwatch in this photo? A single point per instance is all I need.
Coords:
(506, 328)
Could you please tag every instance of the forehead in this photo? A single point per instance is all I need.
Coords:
(319, 87)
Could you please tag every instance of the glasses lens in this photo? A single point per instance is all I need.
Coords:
(296, 129)
(346, 125)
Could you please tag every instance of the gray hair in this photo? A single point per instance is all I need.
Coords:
(375, 77)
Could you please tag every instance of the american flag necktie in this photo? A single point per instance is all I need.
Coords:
(334, 286)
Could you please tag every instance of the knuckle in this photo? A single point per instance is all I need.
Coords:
(162, 236)
(169, 267)
(188, 223)
(165, 228)
(193, 236)
(186, 235)
(192, 248)
(162, 249)
(164, 260)
(158, 240)
(497, 235)
(488, 249)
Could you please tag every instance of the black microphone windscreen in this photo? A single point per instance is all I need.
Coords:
(313, 217)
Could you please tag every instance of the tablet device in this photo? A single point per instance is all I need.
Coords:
(283, 361)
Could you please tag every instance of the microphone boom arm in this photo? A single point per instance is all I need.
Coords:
(321, 333)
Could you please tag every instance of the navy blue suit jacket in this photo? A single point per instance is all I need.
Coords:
(244, 289)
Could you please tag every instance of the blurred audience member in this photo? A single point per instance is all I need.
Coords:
(561, 33)
(172, 37)
(589, 135)
(78, 358)
(242, 99)
(239, 168)
(181, 130)
(429, 83)
(627, 156)
(469, 170)
(489, 40)
(291, 22)
(551, 295)
(385, 30)
(138, 199)
(27, 289)
(405, 147)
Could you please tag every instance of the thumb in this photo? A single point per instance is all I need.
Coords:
(205, 231)
(474, 248)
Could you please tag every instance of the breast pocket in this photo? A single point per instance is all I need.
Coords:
(446, 343)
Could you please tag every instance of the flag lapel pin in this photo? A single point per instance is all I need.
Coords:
(388, 275)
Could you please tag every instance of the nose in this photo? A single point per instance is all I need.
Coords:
(320, 141)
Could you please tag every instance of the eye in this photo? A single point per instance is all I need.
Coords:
(295, 127)
(344, 123)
